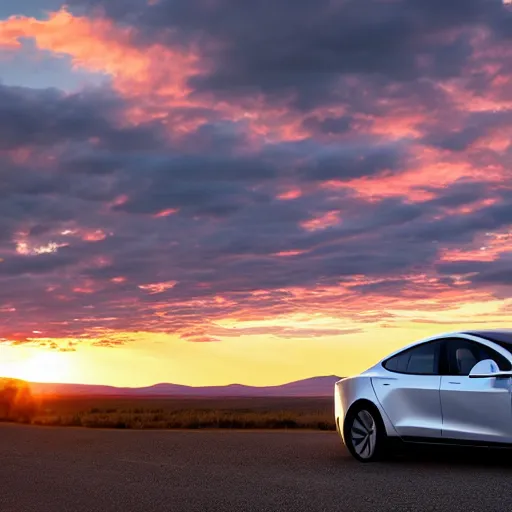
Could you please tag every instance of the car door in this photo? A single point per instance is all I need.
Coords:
(409, 391)
(475, 409)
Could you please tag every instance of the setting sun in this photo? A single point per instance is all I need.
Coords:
(36, 365)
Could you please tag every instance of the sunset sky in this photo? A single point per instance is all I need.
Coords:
(258, 191)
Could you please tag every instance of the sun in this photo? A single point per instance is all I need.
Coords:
(42, 366)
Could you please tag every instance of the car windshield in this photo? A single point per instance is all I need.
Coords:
(502, 338)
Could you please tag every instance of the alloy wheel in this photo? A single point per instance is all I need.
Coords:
(363, 434)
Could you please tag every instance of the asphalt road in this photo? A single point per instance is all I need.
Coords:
(75, 470)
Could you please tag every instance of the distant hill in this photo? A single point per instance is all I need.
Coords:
(313, 387)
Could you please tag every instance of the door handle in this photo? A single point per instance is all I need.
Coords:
(453, 382)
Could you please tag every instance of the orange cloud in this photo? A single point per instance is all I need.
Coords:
(324, 221)
(100, 46)
(431, 167)
(293, 193)
(158, 287)
(166, 213)
(87, 286)
(286, 254)
(94, 236)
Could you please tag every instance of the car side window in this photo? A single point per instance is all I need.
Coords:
(462, 355)
(420, 360)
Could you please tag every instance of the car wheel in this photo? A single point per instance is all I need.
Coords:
(364, 434)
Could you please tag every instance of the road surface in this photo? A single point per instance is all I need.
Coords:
(78, 470)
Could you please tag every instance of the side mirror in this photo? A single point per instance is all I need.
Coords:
(487, 369)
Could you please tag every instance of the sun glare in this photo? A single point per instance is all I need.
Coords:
(43, 366)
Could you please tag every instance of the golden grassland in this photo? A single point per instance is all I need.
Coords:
(18, 405)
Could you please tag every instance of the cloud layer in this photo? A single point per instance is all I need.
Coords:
(251, 160)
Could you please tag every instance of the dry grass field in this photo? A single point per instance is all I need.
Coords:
(186, 413)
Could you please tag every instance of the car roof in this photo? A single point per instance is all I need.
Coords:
(500, 336)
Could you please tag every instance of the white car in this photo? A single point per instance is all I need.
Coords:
(452, 388)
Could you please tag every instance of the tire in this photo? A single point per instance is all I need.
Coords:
(364, 433)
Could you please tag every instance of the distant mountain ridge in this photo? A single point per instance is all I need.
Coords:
(313, 387)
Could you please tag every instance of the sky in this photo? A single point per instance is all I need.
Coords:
(215, 191)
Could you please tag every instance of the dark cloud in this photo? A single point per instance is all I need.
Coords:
(28, 265)
(490, 273)
(219, 183)
(462, 228)
(470, 129)
(329, 125)
(35, 118)
(463, 192)
(355, 161)
(299, 49)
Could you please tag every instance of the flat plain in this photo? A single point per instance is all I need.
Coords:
(189, 413)
(88, 470)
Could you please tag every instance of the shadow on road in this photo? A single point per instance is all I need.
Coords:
(456, 457)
